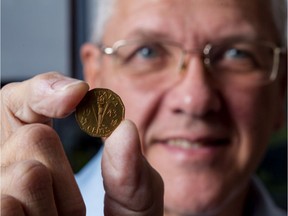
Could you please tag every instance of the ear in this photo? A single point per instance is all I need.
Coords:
(90, 56)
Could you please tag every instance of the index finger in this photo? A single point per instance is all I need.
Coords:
(37, 100)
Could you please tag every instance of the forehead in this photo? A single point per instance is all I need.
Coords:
(189, 20)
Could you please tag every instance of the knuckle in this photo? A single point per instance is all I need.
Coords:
(34, 140)
(10, 206)
(7, 107)
(5, 90)
(6, 95)
(32, 179)
(39, 138)
(32, 174)
(38, 131)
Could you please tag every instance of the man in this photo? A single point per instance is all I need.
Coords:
(204, 83)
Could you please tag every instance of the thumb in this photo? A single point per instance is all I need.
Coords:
(132, 186)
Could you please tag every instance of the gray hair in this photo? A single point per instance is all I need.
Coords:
(100, 10)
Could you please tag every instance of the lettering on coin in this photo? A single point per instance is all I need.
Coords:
(100, 112)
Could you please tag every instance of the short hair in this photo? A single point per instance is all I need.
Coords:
(101, 10)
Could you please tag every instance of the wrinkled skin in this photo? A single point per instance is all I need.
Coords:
(36, 176)
(196, 109)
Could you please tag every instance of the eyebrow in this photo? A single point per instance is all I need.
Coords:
(156, 34)
(240, 38)
(150, 34)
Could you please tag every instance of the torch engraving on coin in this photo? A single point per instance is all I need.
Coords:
(100, 112)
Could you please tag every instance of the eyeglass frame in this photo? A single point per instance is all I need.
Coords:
(277, 51)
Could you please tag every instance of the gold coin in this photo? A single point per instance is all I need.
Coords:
(100, 112)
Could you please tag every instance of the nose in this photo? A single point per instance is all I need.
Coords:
(195, 94)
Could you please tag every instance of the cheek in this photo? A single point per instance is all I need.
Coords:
(140, 108)
(252, 113)
(140, 104)
(251, 109)
(242, 110)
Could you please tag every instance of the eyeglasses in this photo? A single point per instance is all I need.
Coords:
(255, 63)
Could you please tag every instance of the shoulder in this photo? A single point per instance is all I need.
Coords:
(261, 202)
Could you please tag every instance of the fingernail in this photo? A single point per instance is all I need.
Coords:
(63, 84)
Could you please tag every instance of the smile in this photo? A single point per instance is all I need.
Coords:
(184, 144)
(185, 150)
(187, 144)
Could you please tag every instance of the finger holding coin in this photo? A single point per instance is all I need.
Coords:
(100, 112)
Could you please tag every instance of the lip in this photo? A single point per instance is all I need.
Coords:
(189, 148)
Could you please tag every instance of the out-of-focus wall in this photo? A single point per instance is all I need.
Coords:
(35, 38)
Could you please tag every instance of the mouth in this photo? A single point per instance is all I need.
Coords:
(185, 151)
(186, 144)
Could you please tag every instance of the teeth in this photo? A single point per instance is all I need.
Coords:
(185, 144)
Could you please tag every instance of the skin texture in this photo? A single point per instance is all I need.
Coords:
(211, 179)
(36, 178)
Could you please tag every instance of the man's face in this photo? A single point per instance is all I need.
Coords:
(204, 138)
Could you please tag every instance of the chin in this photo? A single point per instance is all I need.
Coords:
(198, 181)
(189, 203)
(200, 198)
(200, 192)
(191, 207)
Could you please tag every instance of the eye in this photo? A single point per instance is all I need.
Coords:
(235, 53)
(144, 55)
(148, 57)
(235, 58)
(148, 52)
(242, 58)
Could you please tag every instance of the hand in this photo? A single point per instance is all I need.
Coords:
(132, 186)
(36, 177)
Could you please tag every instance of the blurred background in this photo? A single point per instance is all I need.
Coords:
(38, 36)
